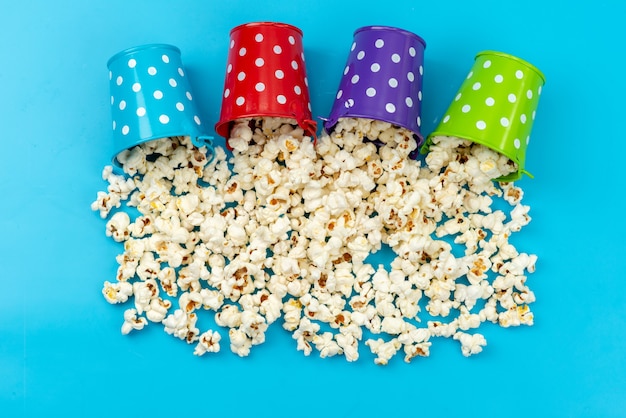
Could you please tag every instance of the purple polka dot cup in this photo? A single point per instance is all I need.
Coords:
(151, 98)
(495, 107)
(382, 79)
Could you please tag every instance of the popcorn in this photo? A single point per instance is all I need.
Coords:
(478, 266)
(167, 278)
(240, 137)
(133, 160)
(143, 225)
(350, 346)
(384, 350)
(270, 307)
(237, 234)
(516, 316)
(438, 307)
(187, 203)
(440, 329)
(470, 294)
(118, 190)
(489, 312)
(409, 305)
(144, 292)
(254, 326)
(190, 301)
(211, 299)
(182, 325)
(229, 316)
(117, 292)
(470, 343)
(414, 350)
(519, 218)
(158, 309)
(127, 267)
(148, 267)
(393, 325)
(292, 312)
(384, 305)
(240, 343)
(117, 227)
(132, 321)
(105, 202)
(381, 281)
(326, 345)
(305, 335)
(281, 230)
(467, 320)
(208, 342)
(511, 193)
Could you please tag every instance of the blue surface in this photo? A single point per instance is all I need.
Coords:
(60, 346)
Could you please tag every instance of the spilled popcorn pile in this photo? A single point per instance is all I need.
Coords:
(284, 230)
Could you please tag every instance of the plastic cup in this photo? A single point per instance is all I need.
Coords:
(495, 107)
(382, 79)
(265, 76)
(151, 98)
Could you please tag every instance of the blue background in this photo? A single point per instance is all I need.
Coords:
(61, 349)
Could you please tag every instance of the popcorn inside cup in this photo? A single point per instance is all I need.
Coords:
(248, 132)
(134, 160)
(479, 160)
(377, 132)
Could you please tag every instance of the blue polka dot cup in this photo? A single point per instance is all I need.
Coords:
(495, 107)
(382, 79)
(151, 98)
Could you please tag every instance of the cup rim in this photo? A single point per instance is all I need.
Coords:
(514, 58)
(384, 28)
(265, 24)
(133, 49)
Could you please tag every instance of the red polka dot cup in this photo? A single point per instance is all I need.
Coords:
(265, 76)
(382, 79)
(151, 98)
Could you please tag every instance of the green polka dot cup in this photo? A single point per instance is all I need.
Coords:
(495, 107)
(151, 98)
